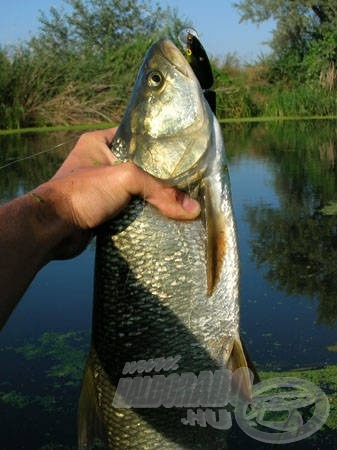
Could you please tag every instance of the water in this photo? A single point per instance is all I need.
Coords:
(281, 175)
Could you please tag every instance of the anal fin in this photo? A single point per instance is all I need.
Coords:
(242, 378)
(250, 364)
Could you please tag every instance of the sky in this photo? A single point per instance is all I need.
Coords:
(216, 21)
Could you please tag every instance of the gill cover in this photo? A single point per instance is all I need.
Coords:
(166, 127)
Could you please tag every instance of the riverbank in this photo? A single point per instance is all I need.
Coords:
(102, 125)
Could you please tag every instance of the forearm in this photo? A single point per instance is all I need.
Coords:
(29, 231)
(56, 220)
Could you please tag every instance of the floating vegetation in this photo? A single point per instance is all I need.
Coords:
(332, 348)
(43, 401)
(330, 209)
(66, 352)
(42, 398)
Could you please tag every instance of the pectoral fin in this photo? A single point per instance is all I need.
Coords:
(216, 236)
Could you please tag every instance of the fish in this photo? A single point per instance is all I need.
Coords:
(165, 290)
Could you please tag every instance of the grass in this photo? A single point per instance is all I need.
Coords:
(102, 125)
(78, 127)
(276, 119)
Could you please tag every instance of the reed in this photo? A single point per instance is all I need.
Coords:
(307, 100)
(41, 88)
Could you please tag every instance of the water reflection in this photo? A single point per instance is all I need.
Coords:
(20, 170)
(294, 242)
(300, 251)
(282, 175)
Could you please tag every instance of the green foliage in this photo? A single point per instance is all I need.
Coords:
(239, 88)
(8, 113)
(82, 65)
(233, 98)
(304, 40)
(98, 26)
(19, 400)
(301, 101)
(15, 399)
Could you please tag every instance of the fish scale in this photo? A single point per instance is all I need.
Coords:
(160, 241)
(164, 288)
(139, 314)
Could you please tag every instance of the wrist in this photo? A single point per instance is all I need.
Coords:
(53, 230)
(55, 222)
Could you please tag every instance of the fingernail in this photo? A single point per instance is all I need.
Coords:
(190, 205)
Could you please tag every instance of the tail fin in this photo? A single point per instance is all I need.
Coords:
(90, 424)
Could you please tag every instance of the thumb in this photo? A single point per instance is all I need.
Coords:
(174, 203)
(169, 200)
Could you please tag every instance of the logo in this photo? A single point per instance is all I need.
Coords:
(279, 411)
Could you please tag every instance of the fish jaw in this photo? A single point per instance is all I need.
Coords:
(166, 129)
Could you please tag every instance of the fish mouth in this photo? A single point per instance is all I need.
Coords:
(174, 56)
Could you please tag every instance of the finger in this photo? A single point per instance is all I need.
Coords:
(169, 200)
(91, 150)
(95, 144)
(174, 203)
(105, 136)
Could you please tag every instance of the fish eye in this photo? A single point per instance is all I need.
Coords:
(155, 79)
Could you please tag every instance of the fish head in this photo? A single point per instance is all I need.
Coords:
(166, 127)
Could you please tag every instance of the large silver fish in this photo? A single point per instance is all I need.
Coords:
(164, 288)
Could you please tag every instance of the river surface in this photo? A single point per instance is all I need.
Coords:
(283, 176)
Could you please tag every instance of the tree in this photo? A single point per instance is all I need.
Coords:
(304, 40)
(82, 64)
(101, 25)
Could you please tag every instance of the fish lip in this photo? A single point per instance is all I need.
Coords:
(175, 57)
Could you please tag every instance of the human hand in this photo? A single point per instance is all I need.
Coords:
(56, 220)
(92, 186)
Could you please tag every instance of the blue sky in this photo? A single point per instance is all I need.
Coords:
(216, 21)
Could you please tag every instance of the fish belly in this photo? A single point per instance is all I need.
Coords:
(151, 302)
